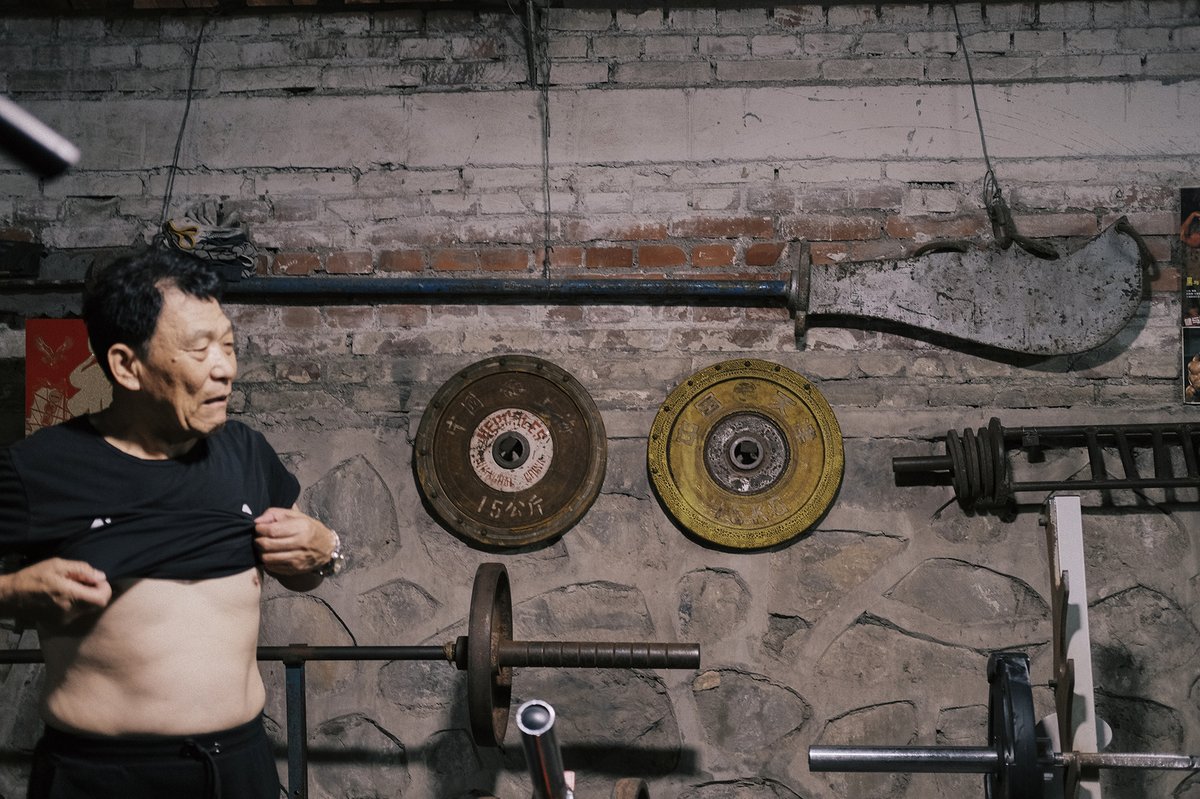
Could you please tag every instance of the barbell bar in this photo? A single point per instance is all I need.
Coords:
(1015, 762)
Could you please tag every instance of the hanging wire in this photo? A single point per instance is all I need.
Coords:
(1004, 229)
(537, 56)
(542, 37)
(187, 107)
(990, 185)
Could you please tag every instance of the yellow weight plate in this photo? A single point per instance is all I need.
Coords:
(746, 454)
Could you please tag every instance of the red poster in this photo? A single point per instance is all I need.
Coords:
(62, 378)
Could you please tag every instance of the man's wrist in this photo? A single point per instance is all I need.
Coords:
(336, 561)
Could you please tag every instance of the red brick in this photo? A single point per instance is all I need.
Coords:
(832, 227)
(566, 257)
(296, 263)
(766, 254)
(660, 256)
(509, 259)
(455, 260)
(348, 263)
(759, 227)
(401, 261)
(609, 257)
(710, 255)
(928, 228)
(299, 317)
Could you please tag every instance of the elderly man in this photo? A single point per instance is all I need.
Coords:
(146, 528)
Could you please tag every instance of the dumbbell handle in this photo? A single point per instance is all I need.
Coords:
(599, 655)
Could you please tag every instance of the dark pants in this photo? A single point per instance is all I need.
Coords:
(233, 764)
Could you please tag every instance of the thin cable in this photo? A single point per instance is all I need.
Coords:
(542, 37)
(991, 187)
(187, 107)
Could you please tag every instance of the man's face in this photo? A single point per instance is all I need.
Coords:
(189, 366)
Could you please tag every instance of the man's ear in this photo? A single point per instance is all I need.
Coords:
(125, 366)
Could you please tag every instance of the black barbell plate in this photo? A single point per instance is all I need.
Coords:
(958, 467)
(1012, 729)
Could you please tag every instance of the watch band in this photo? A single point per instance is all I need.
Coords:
(336, 560)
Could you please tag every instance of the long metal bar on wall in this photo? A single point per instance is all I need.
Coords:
(295, 695)
(350, 290)
(162, 8)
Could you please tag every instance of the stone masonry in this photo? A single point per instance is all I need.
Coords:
(704, 142)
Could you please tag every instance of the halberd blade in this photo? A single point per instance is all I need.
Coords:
(1007, 299)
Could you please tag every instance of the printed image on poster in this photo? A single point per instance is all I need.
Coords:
(62, 377)
(1189, 299)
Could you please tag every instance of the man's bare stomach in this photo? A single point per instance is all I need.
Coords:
(166, 657)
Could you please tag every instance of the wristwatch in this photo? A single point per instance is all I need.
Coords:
(337, 560)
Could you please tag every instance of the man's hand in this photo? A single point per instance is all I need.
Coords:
(292, 543)
(55, 589)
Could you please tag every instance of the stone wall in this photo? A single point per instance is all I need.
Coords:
(686, 143)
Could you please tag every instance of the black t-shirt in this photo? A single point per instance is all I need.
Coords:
(67, 492)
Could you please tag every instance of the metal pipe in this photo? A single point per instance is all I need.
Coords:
(535, 720)
(913, 759)
(450, 290)
(976, 759)
(570, 290)
(295, 699)
(294, 653)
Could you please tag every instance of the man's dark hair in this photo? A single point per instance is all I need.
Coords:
(121, 304)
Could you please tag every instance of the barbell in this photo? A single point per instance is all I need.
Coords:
(488, 654)
(1015, 763)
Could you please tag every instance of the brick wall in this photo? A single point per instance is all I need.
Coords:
(697, 142)
(407, 141)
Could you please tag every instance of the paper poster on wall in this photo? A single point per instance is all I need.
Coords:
(1189, 237)
(62, 377)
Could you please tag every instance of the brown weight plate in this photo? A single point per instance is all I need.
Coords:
(630, 788)
(489, 685)
(746, 454)
(510, 452)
